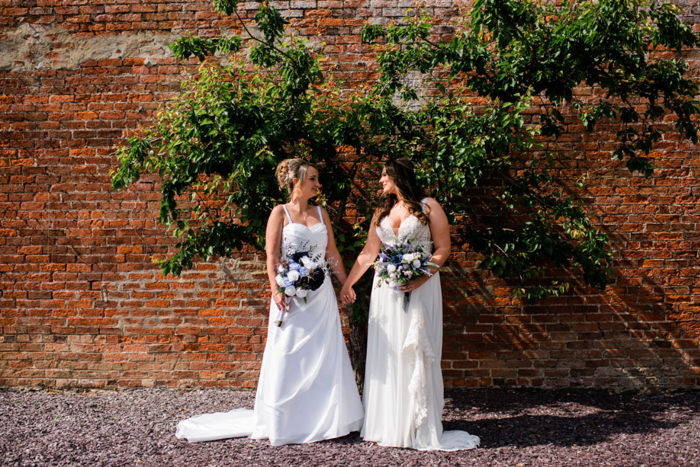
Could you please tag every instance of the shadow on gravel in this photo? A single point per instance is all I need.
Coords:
(566, 418)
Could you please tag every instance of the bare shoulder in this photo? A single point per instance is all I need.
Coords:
(324, 213)
(275, 225)
(277, 212)
(432, 204)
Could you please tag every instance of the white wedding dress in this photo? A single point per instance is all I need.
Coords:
(403, 393)
(306, 391)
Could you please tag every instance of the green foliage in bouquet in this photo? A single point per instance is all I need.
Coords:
(216, 146)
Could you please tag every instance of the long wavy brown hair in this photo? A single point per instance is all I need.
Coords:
(403, 174)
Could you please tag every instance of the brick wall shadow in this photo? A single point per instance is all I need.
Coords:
(81, 304)
(639, 334)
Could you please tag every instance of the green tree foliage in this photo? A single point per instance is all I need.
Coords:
(216, 147)
(508, 51)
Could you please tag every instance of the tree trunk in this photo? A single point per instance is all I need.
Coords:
(358, 350)
(358, 328)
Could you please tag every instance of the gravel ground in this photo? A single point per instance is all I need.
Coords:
(517, 428)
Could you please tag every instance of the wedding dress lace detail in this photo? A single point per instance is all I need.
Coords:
(416, 347)
(411, 227)
(403, 384)
(420, 356)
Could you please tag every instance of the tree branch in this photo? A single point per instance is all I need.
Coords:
(272, 46)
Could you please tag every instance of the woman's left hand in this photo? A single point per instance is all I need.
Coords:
(413, 284)
(347, 295)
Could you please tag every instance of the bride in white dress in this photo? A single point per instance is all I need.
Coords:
(403, 392)
(307, 390)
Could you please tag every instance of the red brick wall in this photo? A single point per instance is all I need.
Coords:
(81, 304)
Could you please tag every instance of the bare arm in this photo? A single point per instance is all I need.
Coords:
(366, 257)
(442, 246)
(273, 240)
(332, 253)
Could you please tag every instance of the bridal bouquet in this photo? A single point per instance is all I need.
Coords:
(300, 273)
(402, 261)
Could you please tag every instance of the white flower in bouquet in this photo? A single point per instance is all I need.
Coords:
(301, 293)
(280, 269)
(302, 271)
(400, 262)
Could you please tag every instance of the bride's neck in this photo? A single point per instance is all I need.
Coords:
(300, 203)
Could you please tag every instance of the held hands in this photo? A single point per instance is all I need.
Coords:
(347, 295)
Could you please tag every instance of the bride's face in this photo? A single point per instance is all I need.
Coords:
(388, 185)
(310, 187)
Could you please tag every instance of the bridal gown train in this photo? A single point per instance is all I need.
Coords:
(307, 389)
(403, 394)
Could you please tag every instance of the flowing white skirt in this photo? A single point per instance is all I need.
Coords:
(307, 389)
(403, 394)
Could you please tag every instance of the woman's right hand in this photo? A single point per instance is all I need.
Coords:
(280, 300)
(347, 295)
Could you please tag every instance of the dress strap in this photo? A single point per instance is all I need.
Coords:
(423, 204)
(320, 214)
(287, 212)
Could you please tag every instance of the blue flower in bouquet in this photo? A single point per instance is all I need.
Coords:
(300, 273)
(398, 263)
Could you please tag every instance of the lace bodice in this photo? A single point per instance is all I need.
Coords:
(411, 227)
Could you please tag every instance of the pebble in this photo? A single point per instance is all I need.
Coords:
(520, 428)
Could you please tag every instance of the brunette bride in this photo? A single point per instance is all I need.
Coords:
(403, 392)
(307, 389)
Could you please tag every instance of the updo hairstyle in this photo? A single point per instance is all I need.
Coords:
(288, 170)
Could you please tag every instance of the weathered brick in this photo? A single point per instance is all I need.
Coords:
(75, 256)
